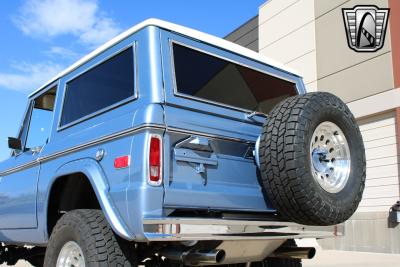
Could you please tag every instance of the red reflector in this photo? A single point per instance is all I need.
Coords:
(155, 159)
(121, 162)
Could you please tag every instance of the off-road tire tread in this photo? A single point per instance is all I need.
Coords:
(283, 161)
(103, 248)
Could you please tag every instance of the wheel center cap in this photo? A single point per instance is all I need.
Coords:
(319, 161)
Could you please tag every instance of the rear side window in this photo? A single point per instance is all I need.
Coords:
(213, 79)
(105, 85)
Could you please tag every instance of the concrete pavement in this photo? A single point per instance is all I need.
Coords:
(335, 258)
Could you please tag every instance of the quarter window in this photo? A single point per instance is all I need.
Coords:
(213, 79)
(105, 85)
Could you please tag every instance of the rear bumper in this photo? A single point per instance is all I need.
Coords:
(179, 229)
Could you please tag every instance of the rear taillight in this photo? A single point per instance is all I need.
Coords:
(155, 160)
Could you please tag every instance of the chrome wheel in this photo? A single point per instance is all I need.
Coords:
(71, 255)
(330, 157)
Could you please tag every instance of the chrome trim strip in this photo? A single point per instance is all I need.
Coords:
(178, 229)
(183, 131)
(100, 140)
(82, 146)
(257, 152)
(20, 167)
(114, 136)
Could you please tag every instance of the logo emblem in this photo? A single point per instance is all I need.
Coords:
(365, 27)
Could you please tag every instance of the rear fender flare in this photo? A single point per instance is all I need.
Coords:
(92, 170)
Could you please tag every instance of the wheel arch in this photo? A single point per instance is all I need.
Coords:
(90, 175)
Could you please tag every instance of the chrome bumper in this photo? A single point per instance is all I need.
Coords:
(178, 229)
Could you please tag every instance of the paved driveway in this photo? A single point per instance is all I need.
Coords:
(334, 258)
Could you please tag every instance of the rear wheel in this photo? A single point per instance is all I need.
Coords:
(84, 238)
(312, 159)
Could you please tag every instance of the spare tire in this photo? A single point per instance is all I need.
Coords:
(312, 159)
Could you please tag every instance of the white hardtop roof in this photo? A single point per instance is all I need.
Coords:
(207, 38)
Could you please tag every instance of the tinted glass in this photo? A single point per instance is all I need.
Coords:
(100, 87)
(210, 78)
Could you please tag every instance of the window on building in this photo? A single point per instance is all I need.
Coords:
(103, 86)
(217, 80)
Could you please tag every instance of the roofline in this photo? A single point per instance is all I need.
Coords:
(207, 38)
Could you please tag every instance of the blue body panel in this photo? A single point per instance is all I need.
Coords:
(124, 194)
(18, 200)
(232, 183)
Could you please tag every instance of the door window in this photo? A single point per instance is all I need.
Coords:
(41, 120)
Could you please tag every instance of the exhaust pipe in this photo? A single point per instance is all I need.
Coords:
(195, 257)
(205, 257)
(294, 253)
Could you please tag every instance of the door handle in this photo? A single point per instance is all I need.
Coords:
(195, 142)
(187, 149)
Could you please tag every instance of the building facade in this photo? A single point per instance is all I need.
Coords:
(310, 36)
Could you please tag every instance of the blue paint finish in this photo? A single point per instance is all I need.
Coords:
(100, 184)
(124, 195)
(18, 194)
(233, 183)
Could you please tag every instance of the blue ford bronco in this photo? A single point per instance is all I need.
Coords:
(170, 147)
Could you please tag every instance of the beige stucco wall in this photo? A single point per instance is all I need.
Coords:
(287, 34)
(382, 182)
(309, 35)
(348, 74)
